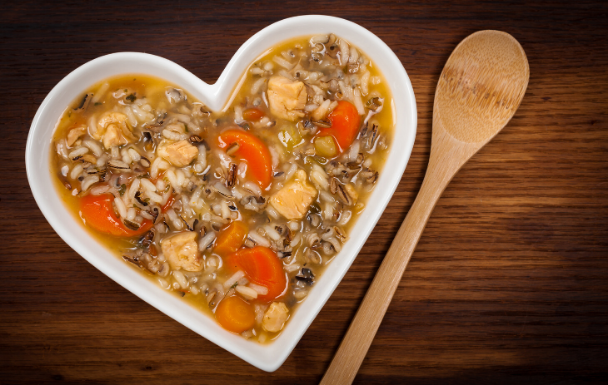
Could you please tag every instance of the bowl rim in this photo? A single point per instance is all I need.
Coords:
(271, 356)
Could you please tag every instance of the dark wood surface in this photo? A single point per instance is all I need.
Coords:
(509, 283)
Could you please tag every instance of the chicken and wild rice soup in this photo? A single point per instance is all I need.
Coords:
(236, 211)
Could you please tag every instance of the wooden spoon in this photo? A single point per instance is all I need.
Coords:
(479, 90)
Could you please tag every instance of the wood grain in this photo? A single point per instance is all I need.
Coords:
(478, 92)
(508, 284)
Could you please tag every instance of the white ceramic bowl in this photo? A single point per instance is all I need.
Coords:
(269, 356)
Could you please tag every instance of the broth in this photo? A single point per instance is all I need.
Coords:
(251, 202)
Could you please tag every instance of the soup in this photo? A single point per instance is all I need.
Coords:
(236, 211)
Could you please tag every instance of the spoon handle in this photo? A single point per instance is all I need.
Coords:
(362, 330)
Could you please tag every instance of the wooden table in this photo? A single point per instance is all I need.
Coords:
(509, 283)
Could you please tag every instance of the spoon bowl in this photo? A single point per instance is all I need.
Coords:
(481, 86)
(479, 90)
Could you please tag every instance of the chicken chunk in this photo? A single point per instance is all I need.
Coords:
(75, 133)
(275, 317)
(113, 130)
(294, 199)
(287, 98)
(179, 154)
(181, 250)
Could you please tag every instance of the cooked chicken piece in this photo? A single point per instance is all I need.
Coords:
(113, 130)
(181, 250)
(179, 154)
(287, 98)
(275, 317)
(75, 133)
(294, 199)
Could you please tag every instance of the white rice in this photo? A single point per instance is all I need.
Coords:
(94, 147)
(354, 150)
(149, 186)
(253, 187)
(282, 62)
(257, 85)
(272, 233)
(125, 156)
(131, 213)
(261, 290)
(272, 212)
(134, 155)
(98, 190)
(326, 197)
(88, 182)
(345, 217)
(294, 226)
(258, 239)
(358, 101)
(79, 151)
(100, 93)
(354, 55)
(365, 83)
(246, 292)
(76, 171)
(158, 165)
(344, 51)
(206, 241)
(120, 206)
(292, 170)
(131, 116)
(154, 197)
(233, 279)
(180, 278)
(321, 112)
(238, 114)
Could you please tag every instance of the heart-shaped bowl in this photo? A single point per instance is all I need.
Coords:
(269, 356)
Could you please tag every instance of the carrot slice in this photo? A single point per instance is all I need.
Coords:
(235, 315)
(253, 114)
(97, 212)
(345, 122)
(231, 238)
(251, 150)
(262, 267)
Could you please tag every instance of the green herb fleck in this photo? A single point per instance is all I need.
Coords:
(131, 98)
(98, 104)
(135, 206)
(122, 189)
(186, 127)
(234, 285)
